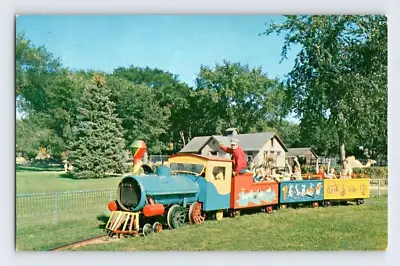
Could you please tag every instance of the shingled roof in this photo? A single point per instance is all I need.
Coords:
(248, 142)
(196, 144)
(300, 151)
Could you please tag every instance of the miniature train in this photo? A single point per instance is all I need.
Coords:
(194, 187)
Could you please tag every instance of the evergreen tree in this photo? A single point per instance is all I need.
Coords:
(97, 145)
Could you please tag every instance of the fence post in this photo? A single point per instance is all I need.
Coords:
(55, 207)
(111, 194)
(379, 188)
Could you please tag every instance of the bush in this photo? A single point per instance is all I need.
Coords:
(373, 172)
(307, 169)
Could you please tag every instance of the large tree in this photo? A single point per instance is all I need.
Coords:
(34, 64)
(236, 95)
(46, 97)
(141, 114)
(98, 145)
(168, 92)
(31, 135)
(340, 74)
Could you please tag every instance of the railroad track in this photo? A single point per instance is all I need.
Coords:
(92, 240)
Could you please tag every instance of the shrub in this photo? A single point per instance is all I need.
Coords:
(308, 169)
(373, 172)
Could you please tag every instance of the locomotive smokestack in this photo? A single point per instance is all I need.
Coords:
(138, 149)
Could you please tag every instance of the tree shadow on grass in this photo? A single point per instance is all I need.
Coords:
(67, 176)
(104, 219)
(37, 169)
(72, 177)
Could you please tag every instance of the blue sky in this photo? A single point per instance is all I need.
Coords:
(179, 44)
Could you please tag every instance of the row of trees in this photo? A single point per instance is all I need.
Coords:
(337, 88)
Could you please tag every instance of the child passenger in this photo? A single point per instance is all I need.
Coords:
(331, 172)
(297, 170)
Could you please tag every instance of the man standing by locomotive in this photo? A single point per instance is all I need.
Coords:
(238, 156)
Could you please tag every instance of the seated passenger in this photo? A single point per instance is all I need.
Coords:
(252, 169)
(219, 176)
(275, 175)
(346, 172)
(331, 174)
(285, 176)
(320, 170)
(267, 175)
(297, 170)
(258, 176)
(297, 173)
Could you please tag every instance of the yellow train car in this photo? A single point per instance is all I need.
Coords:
(346, 190)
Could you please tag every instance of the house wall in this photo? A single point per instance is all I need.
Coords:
(272, 146)
(213, 146)
(256, 156)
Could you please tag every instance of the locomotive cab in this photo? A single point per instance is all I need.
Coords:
(214, 178)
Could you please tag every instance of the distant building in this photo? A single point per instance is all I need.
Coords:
(259, 148)
(307, 154)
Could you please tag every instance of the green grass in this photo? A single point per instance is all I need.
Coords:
(39, 182)
(47, 236)
(334, 228)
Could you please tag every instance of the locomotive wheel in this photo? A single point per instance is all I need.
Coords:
(268, 209)
(315, 204)
(327, 203)
(176, 217)
(195, 216)
(234, 213)
(219, 215)
(147, 230)
(157, 227)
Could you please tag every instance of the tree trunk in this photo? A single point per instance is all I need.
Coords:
(342, 149)
(183, 138)
(341, 134)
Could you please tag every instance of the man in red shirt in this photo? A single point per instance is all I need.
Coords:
(238, 156)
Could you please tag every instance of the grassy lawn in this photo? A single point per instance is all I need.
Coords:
(45, 236)
(37, 182)
(335, 228)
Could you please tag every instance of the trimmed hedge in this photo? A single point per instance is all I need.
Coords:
(373, 172)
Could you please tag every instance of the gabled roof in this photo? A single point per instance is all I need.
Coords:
(196, 144)
(248, 142)
(300, 151)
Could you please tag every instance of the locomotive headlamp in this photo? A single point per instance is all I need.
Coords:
(112, 206)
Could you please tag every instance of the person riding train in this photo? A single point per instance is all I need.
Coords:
(238, 156)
